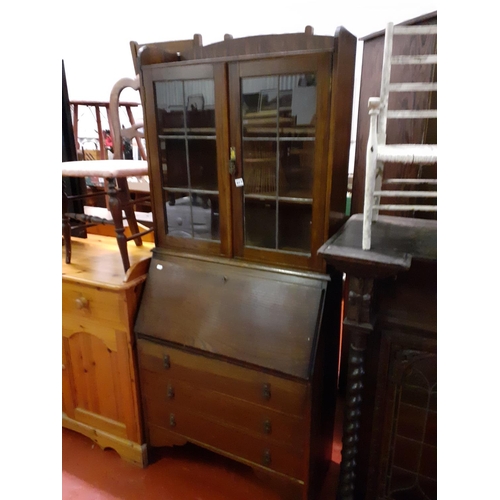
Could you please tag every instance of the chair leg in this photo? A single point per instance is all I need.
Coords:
(371, 170)
(66, 226)
(115, 207)
(124, 195)
(379, 175)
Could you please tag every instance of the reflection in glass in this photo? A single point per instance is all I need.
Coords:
(169, 108)
(192, 215)
(296, 168)
(294, 229)
(203, 164)
(259, 167)
(294, 115)
(278, 129)
(187, 140)
(260, 223)
(185, 106)
(174, 163)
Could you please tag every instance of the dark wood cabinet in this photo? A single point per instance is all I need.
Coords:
(389, 436)
(248, 152)
(248, 145)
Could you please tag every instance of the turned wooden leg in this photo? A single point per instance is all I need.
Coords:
(357, 326)
(66, 225)
(124, 195)
(115, 207)
(352, 415)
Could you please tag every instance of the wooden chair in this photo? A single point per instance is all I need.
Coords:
(115, 173)
(378, 152)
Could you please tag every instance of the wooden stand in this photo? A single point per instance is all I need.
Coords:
(99, 391)
(389, 428)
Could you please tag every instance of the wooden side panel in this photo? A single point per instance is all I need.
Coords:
(68, 389)
(128, 388)
(340, 127)
(398, 131)
(94, 375)
(103, 385)
(260, 317)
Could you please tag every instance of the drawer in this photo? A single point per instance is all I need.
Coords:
(165, 363)
(82, 304)
(166, 396)
(233, 442)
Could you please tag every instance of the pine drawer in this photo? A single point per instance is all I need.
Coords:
(84, 305)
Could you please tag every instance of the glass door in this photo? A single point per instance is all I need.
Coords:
(279, 120)
(187, 155)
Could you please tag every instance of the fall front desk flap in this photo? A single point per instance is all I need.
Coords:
(267, 318)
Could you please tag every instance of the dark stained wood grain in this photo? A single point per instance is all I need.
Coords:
(231, 312)
(390, 328)
(340, 127)
(246, 336)
(262, 56)
(232, 443)
(262, 44)
(275, 427)
(285, 396)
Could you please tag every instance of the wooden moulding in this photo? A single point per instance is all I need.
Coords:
(128, 450)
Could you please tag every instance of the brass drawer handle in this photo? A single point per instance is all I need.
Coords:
(170, 392)
(172, 420)
(267, 426)
(166, 361)
(82, 303)
(266, 391)
(266, 457)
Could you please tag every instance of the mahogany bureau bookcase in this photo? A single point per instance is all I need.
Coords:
(248, 143)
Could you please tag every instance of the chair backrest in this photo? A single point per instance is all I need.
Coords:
(117, 131)
(387, 87)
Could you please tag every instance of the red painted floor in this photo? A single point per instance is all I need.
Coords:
(184, 473)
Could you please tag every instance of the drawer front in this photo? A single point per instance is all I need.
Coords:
(231, 441)
(166, 396)
(165, 364)
(83, 304)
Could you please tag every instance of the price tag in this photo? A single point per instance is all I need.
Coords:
(239, 182)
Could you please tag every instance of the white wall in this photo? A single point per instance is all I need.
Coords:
(96, 49)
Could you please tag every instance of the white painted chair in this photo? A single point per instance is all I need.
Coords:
(378, 152)
(115, 173)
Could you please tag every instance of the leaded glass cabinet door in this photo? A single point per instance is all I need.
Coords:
(280, 111)
(188, 146)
